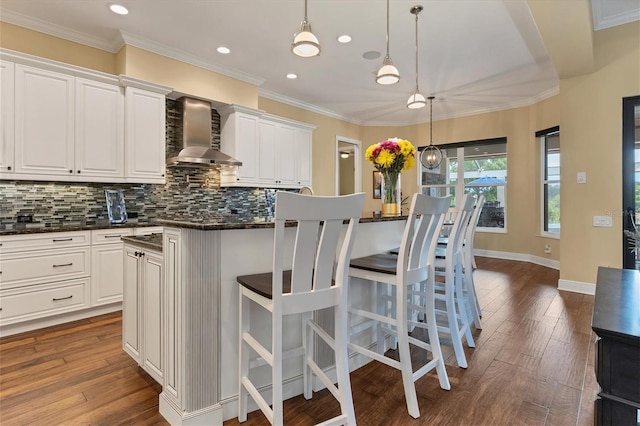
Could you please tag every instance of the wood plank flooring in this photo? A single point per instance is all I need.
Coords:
(533, 364)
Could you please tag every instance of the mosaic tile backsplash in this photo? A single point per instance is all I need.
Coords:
(187, 192)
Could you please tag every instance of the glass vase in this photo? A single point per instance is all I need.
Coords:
(391, 197)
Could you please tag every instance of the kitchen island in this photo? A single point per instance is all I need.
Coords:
(202, 257)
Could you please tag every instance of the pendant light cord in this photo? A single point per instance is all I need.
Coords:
(417, 53)
(387, 28)
(430, 120)
(305, 11)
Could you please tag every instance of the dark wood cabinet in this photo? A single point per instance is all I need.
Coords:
(616, 321)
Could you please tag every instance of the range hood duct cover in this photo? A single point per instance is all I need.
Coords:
(196, 148)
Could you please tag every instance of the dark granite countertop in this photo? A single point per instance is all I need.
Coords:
(68, 226)
(151, 242)
(203, 223)
(219, 223)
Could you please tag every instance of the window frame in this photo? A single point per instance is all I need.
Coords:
(542, 136)
(460, 186)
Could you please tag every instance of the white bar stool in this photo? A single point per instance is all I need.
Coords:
(316, 280)
(397, 315)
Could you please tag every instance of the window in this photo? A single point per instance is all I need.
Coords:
(476, 167)
(550, 183)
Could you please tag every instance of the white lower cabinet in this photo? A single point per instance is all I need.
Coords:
(106, 265)
(49, 278)
(142, 308)
(43, 275)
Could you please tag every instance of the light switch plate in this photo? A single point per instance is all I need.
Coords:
(582, 177)
(602, 221)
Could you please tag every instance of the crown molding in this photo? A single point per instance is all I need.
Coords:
(602, 20)
(309, 107)
(58, 31)
(146, 44)
(438, 117)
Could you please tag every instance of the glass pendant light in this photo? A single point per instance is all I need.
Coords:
(416, 100)
(388, 73)
(305, 43)
(431, 156)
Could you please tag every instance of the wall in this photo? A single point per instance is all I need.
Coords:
(591, 139)
(46, 46)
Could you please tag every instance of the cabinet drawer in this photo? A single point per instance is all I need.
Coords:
(109, 236)
(45, 240)
(27, 303)
(148, 230)
(18, 269)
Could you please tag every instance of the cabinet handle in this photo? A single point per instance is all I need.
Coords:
(62, 298)
(60, 240)
(113, 236)
(63, 264)
(78, 171)
(70, 171)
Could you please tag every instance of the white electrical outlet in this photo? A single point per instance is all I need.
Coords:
(582, 177)
(602, 221)
(547, 248)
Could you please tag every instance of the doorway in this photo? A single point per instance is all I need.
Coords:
(630, 180)
(348, 166)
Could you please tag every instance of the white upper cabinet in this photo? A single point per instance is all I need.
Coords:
(44, 122)
(275, 151)
(6, 118)
(60, 122)
(145, 135)
(99, 128)
(239, 139)
(304, 149)
(267, 152)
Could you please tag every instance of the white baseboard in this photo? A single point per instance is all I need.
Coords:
(21, 327)
(523, 257)
(565, 285)
(211, 415)
(577, 287)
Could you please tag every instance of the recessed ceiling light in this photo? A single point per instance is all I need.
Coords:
(292, 76)
(119, 9)
(344, 38)
(223, 50)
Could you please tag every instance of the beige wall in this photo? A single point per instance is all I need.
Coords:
(34, 43)
(588, 109)
(591, 139)
(186, 78)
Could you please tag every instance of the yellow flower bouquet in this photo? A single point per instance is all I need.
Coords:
(390, 157)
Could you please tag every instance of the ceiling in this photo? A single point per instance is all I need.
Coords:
(475, 56)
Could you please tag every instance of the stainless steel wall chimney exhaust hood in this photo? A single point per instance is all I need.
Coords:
(195, 149)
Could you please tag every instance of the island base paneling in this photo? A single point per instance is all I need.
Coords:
(201, 315)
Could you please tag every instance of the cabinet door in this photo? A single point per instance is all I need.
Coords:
(99, 148)
(286, 155)
(130, 312)
(152, 314)
(267, 151)
(44, 117)
(6, 118)
(107, 274)
(247, 147)
(144, 136)
(304, 149)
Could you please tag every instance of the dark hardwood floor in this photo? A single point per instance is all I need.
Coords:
(533, 364)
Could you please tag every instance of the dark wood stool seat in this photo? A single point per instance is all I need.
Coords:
(263, 283)
(383, 263)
